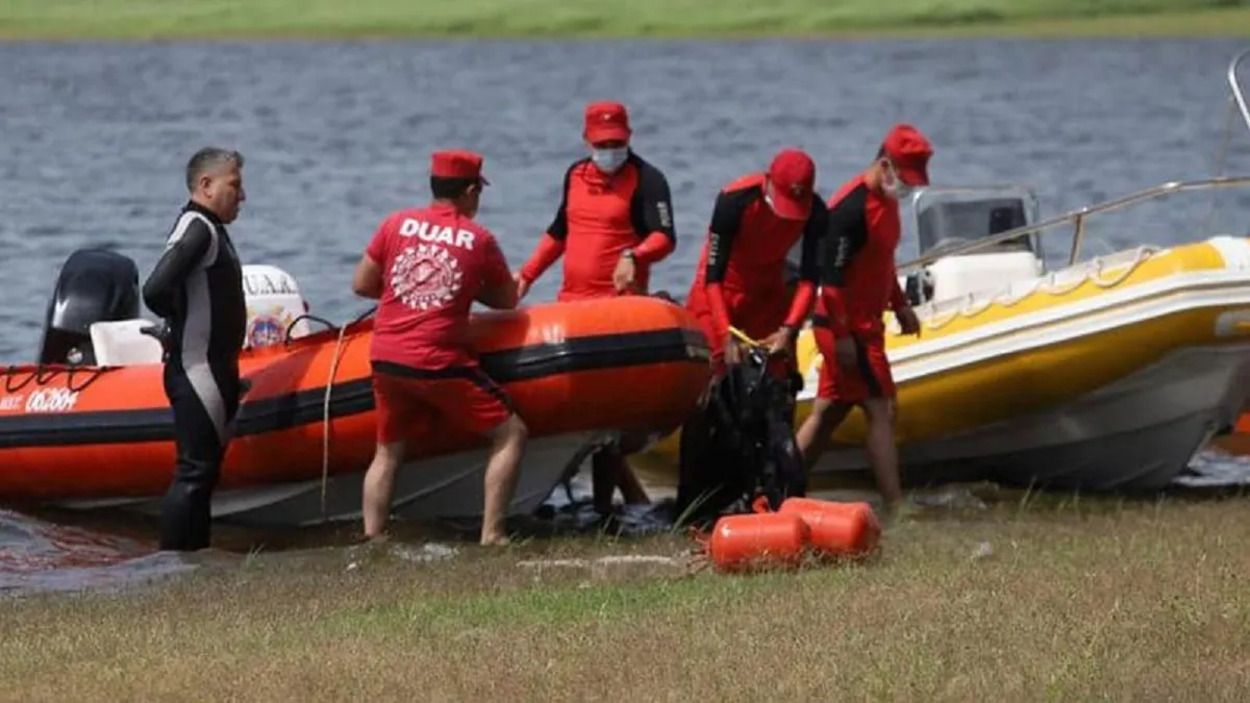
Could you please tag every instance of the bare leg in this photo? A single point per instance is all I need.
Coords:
(501, 477)
(882, 453)
(379, 482)
(611, 471)
(813, 435)
(631, 488)
(604, 466)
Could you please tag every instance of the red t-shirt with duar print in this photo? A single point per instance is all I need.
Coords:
(434, 263)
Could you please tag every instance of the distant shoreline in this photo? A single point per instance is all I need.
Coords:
(129, 20)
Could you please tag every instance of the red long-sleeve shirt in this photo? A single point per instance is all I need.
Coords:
(600, 216)
(741, 276)
(859, 281)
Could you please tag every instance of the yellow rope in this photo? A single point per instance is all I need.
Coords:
(744, 338)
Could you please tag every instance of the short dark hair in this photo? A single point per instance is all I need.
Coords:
(207, 159)
(445, 188)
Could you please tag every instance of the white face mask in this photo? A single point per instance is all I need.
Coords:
(894, 186)
(609, 160)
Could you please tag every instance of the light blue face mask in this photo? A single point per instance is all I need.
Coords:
(609, 160)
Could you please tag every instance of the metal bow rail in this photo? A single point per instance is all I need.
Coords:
(1077, 219)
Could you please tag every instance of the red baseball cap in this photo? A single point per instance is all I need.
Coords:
(793, 175)
(606, 121)
(910, 152)
(457, 163)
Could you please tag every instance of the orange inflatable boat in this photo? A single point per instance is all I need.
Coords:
(95, 434)
(1236, 441)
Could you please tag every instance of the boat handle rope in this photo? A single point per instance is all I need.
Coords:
(325, 408)
(37, 375)
(286, 339)
(308, 316)
(1143, 253)
(1050, 288)
(10, 373)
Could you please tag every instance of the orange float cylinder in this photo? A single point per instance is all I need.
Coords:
(757, 540)
(837, 529)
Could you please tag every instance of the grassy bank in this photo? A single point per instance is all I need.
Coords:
(1073, 600)
(143, 19)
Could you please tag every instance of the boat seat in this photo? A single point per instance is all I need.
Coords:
(121, 343)
(958, 276)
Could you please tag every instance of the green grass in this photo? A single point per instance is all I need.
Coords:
(146, 19)
(1080, 599)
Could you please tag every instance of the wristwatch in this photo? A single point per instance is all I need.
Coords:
(628, 254)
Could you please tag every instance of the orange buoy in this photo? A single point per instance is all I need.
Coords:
(754, 540)
(837, 529)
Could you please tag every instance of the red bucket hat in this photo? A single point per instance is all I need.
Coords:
(793, 175)
(606, 121)
(457, 163)
(910, 152)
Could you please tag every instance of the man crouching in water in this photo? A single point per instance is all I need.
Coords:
(426, 266)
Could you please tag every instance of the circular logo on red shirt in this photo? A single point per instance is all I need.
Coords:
(426, 277)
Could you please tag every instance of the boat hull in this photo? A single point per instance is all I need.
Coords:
(448, 486)
(1137, 433)
(91, 436)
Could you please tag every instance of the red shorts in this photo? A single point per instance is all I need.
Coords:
(411, 401)
(870, 378)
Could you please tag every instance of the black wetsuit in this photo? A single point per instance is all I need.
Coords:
(197, 286)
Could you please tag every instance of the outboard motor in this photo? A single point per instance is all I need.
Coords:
(94, 285)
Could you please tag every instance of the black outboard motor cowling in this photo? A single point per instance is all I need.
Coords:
(95, 285)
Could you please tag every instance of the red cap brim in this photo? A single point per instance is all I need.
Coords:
(913, 175)
(789, 207)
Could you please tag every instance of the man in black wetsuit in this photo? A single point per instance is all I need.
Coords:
(197, 286)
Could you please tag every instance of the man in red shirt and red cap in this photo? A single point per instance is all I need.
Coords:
(614, 221)
(858, 283)
(426, 266)
(741, 282)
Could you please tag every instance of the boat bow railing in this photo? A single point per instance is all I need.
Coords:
(1077, 219)
(1239, 97)
(1237, 105)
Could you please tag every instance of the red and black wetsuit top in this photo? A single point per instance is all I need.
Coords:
(600, 216)
(859, 280)
(741, 276)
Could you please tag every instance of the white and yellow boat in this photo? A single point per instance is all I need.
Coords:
(1106, 374)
